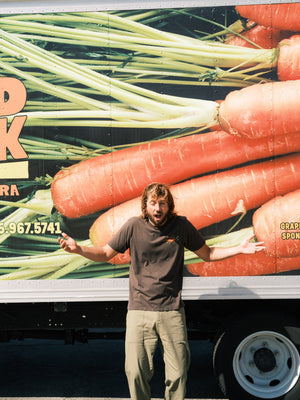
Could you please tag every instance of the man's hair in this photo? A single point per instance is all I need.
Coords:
(156, 190)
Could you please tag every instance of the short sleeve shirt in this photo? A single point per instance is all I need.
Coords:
(156, 260)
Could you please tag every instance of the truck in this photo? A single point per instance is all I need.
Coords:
(99, 99)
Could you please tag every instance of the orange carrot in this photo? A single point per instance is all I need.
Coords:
(110, 179)
(245, 265)
(262, 110)
(286, 55)
(279, 16)
(262, 36)
(287, 58)
(275, 18)
(277, 223)
(288, 62)
(213, 198)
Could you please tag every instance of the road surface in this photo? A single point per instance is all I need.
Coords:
(47, 368)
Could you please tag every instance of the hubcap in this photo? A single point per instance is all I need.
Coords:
(266, 364)
(264, 360)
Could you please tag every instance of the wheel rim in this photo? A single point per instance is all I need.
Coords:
(266, 364)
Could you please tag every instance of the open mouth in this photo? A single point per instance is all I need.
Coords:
(158, 218)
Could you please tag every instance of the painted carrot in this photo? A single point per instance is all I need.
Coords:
(262, 110)
(258, 36)
(213, 198)
(289, 58)
(245, 265)
(285, 53)
(279, 16)
(277, 223)
(110, 179)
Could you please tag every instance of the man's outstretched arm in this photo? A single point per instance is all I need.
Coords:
(94, 253)
(207, 253)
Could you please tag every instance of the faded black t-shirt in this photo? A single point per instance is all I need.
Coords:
(157, 259)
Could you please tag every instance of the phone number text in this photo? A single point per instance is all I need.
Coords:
(30, 228)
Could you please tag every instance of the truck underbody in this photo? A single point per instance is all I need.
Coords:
(84, 321)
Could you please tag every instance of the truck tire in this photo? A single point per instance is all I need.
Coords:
(258, 358)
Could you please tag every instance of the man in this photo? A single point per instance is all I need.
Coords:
(155, 315)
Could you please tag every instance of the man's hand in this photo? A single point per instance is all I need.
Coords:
(220, 253)
(68, 244)
(247, 247)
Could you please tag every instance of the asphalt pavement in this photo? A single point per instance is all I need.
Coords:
(40, 369)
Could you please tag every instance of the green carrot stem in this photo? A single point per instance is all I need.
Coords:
(58, 257)
(112, 273)
(26, 274)
(195, 116)
(87, 143)
(13, 251)
(107, 86)
(212, 53)
(4, 209)
(70, 267)
(52, 89)
(40, 204)
(120, 93)
(233, 51)
(99, 267)
(38, 148)
(125, 33)
(4, 271)
(114, 21)
(231, 239)
(214, 82)
(38, 238)
(42, 260)
(146, 109)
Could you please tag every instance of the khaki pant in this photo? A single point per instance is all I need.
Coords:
(145, 329)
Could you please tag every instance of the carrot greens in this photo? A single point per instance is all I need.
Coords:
(132, 53)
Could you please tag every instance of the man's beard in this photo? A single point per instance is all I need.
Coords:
(161, 222)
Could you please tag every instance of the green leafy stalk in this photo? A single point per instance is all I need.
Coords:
(203, 58)
(67, 269)
(55, 265)
(175, 56)
(161, 111)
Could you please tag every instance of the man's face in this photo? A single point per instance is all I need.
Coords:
(157, 210)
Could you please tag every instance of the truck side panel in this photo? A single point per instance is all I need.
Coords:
(97, 104)
(99, 99)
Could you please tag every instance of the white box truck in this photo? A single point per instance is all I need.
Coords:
(99, 99)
